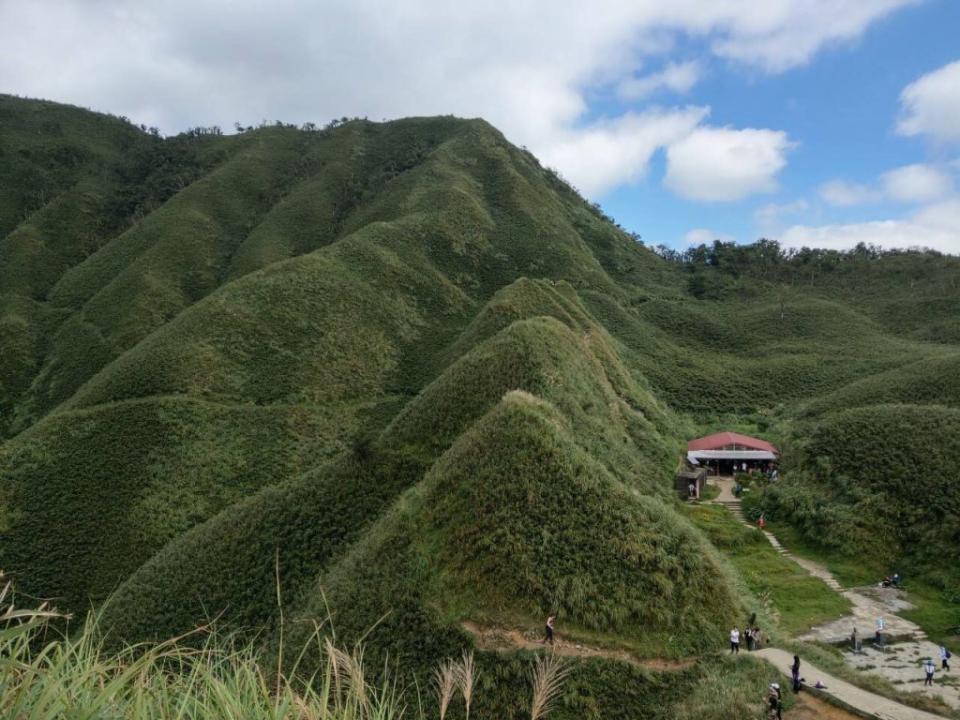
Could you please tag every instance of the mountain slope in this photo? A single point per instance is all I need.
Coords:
(403, 364)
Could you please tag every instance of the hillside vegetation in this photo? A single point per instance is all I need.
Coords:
(389, 378)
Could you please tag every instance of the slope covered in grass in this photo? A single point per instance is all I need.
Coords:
(106, 488)
(516, 521)
(212, 570)
(404, 363)
(564, 534)
(878, 480)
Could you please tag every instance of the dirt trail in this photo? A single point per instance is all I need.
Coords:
(506, 640)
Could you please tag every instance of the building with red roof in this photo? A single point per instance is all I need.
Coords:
(728, 447)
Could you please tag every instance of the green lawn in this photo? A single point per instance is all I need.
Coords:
(801, 600)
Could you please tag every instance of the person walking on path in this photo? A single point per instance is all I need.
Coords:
(735, 641)
(944, 659)
(775, 702)
(929, 668)
(795, 673)
(548, 629)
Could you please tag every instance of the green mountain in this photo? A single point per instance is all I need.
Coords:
(406, 377)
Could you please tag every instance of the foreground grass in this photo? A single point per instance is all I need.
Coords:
(800, 600)
(78, 677)
(44, 676)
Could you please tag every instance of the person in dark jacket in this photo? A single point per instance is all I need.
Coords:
(775, 701)
(795, 673)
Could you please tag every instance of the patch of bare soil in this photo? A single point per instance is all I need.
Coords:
(808, 707)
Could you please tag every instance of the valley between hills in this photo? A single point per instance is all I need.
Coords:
(398, 384)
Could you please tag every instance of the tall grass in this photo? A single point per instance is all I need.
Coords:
(45, 676)
(547, 677)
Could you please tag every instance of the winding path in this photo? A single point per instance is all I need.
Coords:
(899, 662)
(849, 695)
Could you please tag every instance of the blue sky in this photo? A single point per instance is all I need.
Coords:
(841, 110)
(816, 122)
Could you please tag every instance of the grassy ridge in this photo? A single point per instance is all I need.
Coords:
(308, 519)
(106, 488)
(406, 364)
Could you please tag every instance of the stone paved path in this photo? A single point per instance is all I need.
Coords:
(850, 695)
(898, 661)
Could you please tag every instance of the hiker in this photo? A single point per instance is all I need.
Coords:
(929, 668)
(751, 638)
(735, 641)
(757, 637)
(944, 659)
(854, 641)
(738, 489)
(795, 673)
(896, 579)
(761, 522)
(775, 702)
(881, 624)
(548, 628)
(692, 490)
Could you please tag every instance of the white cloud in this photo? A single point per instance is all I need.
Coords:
(843, 194)
(723, 164)
(931, 105)
(916, 183)
(936, 226)
(703, 236)
(609, 153)
(677, 77)
(780, 34)
(769, 218)
(526, 67)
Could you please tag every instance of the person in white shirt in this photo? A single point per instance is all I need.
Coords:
(735, 641)
(929, 668)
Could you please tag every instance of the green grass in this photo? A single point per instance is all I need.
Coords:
(800, 600)
(46, 675)
(296, 343)
(936, 611)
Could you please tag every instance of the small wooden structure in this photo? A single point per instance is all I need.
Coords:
(697, 476)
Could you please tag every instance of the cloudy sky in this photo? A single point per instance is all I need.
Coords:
(816, 122)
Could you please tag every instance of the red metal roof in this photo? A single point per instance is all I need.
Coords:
(720, 440)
